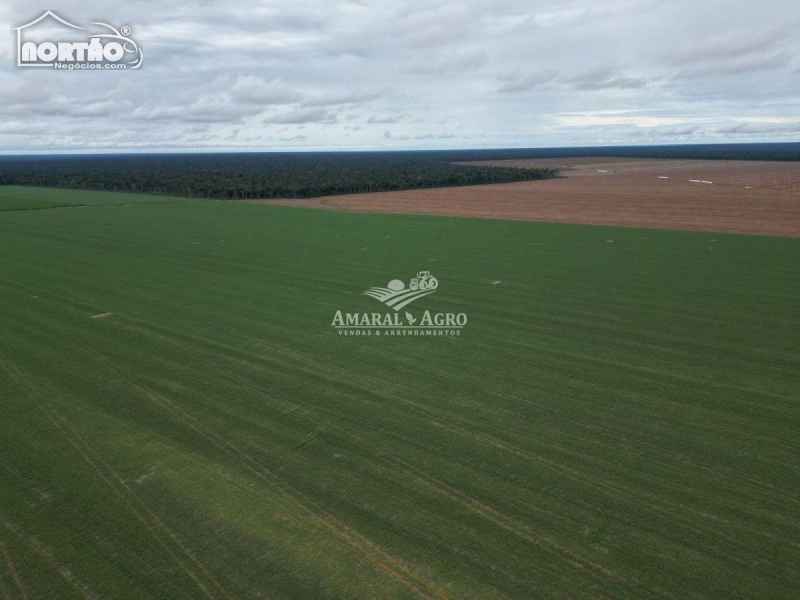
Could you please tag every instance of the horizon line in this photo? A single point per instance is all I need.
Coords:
(385, 149)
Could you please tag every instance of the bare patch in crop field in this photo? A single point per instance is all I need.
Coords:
(744, 196)
(101, 315)
(301, 202)
(145, 477)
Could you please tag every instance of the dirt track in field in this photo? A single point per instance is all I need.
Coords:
(298, 202)
(743, 196)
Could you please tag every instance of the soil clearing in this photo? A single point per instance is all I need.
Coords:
(744, 196)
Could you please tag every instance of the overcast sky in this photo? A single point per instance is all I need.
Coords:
(363, 74)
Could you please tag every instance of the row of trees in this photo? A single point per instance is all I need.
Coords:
(303, 175)
(785, 151)
(244, 176)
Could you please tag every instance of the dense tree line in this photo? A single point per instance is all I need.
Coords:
(773, 151)
(262, 175)
(303, 175)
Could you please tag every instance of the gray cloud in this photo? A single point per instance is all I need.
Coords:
(531, 81)
(27, 99)
(737, 52)
(450, 62)
(21, 128)
(256, 75)
(254, 90)
(760, 128)
(666, 132)
(605, 78)
(350, 97)
(598, 78)
(384, 120)
(389, 136)
(738, 66)
(304, 114)
(732, 44)
(207, 109)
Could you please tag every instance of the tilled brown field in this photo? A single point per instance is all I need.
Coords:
(757, 174)
(742, 196)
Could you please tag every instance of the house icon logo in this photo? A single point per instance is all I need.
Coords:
(111, 48)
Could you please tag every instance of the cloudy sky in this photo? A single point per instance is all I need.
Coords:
(400, 74)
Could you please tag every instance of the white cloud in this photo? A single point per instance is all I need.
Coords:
(615, 118)
(263, 74)
(254, 90)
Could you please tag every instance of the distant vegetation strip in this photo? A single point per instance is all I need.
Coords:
(309, 174)
(248, 176)
(35, 198)
(785, 152)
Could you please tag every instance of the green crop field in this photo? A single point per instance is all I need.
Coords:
(619, 418)
(31, 198)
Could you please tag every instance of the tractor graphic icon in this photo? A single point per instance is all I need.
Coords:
(396, 295)
(423, 281)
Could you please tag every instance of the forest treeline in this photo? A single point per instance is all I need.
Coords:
(308, 174)
(783, 151)
(246, 176)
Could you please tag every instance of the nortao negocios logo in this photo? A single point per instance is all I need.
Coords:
(397, 296)
(42, 44)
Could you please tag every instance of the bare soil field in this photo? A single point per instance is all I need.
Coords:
(757, 174)
(726, 196)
